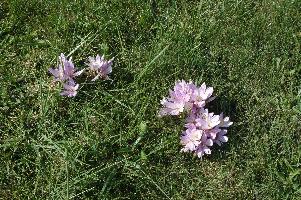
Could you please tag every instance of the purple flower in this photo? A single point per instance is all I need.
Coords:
(202, 150)
(206, 120)
(178, 100)
(69, 69)
(221, 138)
(190, 139)
(201, 95)
(182, 91)
(171, 108)
(58, 73)
(65, 71)
(224, 122)
(101, 66)
(203, 128)
(203, 147)
(70, 89)
(212, 133)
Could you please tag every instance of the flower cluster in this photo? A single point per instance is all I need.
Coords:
(65, 73)
(203, 128)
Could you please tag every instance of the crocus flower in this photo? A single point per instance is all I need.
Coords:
(202, 150)
(224, 122)
(204, 146)
(220, 138)
(182, 91)
(206, 120)
(201, 95)
(190, 139)
(178, 100)
(190, 120)
(212, 133)
(58, 73)
(203, 128)
(101, 66)
(171, 108)
(70, 89)
(65, 71)
(69, 69)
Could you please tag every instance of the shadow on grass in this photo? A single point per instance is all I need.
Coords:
(230, 108)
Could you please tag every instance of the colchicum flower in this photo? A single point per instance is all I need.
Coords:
(206, 120)
(203, 128)
(201, 95)
(65, 73)
(58, 73)
(70, 89)
(65, 70)
(191, 139)
(179, 100)
(100, 67)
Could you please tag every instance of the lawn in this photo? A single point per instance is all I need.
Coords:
(108, 142)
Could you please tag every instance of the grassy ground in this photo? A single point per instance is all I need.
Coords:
(107, 142)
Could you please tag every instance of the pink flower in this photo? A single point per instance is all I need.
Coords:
(70, 89)
(171, 108)
(202, 150)
(203, 128)
(58, 73)
(221, 138)
(69, 69)
(190, 139)
(182, 91)
(212, 133)
(101, 66)
(204, 146)
(224, 122)
(65, 71)
(178, 100)
(190, 120)
(206, 120)
(201, 95)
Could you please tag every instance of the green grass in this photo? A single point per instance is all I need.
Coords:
(107, 142)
